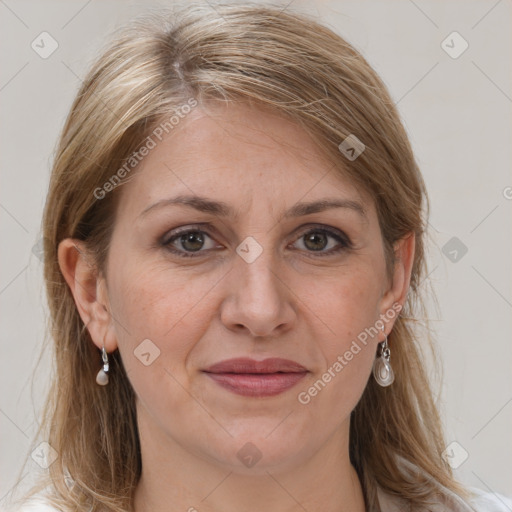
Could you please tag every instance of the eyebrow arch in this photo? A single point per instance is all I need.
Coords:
(222, 209)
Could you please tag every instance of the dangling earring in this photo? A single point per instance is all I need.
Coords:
(102, 377)
(382, 371)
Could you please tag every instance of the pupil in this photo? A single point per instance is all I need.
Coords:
(195, 238)
(318, 240)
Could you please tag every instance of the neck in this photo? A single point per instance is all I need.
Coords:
(174, 479)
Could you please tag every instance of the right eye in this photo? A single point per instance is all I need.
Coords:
(186, 242)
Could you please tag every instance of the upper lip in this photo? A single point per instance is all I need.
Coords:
(247, 365)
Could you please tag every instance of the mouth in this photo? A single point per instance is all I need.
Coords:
(248, 377)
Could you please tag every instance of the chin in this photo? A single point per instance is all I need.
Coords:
(256, 452)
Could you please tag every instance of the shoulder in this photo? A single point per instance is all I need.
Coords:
(489, 502)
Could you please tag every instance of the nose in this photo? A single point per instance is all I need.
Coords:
(259, 300)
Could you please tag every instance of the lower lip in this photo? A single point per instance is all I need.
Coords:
(257, 384)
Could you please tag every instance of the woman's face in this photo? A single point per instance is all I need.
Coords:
(247, 271)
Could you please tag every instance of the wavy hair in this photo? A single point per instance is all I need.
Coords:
(273, 59)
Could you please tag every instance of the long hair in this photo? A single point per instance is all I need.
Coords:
(270, 59)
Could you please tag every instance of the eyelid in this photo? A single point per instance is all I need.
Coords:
(342, 238)
(173, 233)
(335, 232)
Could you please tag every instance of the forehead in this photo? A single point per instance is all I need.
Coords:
(251, 155)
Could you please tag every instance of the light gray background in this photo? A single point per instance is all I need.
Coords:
(458, 115)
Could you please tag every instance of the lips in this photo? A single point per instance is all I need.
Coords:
(249, 377)
(246, 365)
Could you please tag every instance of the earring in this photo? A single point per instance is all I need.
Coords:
(102, 377)
(382, 371)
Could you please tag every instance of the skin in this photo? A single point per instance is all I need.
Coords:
(290, 302)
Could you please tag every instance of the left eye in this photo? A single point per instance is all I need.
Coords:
(315, 241)
(318, 239)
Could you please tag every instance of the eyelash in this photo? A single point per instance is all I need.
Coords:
(341, 238)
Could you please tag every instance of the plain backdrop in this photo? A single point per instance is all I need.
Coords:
(457, 111)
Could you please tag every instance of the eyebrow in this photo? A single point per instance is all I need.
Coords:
(222, 209)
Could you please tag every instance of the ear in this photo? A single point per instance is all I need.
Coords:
(395, 296)
(89, 291)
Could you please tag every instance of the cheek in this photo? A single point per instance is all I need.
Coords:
(334, 393)
(349, 309)
(152, 294)
(348, 303)
(151, 302)
(163, 307)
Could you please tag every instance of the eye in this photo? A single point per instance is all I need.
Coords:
(317, 240)
(187, 242)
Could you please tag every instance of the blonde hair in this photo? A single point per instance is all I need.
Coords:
(268, 58)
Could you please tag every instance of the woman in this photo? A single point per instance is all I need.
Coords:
(234, 247)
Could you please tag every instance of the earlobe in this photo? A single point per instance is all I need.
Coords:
(86, 285)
